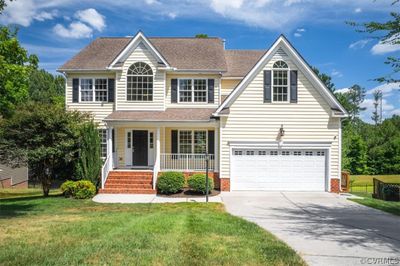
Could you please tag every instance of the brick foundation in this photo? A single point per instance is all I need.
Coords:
(6, 183)
(335, 185)
(225, 184)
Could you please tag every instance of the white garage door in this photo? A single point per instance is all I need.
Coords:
(278, 170)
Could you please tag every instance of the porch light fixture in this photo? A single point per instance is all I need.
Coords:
(281, 132)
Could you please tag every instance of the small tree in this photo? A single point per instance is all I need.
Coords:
(89, 163)
(377, 114)
(42, 136)
(357, 155)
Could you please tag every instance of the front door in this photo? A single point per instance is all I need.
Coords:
(139, 148)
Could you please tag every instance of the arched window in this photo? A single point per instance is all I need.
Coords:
(139, 81)
(280, 83)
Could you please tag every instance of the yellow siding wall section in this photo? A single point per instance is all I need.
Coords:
(253, 120)
(98, 110)
(192, 105)
(227, 85)
(141, 54)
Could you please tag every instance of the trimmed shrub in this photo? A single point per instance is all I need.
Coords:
(68, 188)
(170, 182)
(197, 183)
(82, 189)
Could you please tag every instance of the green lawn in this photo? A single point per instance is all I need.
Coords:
(386, 206)
(364, 184)
(60, 231)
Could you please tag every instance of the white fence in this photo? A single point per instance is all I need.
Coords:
(107, 167)
(186, 161)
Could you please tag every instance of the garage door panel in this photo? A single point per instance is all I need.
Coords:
(286, 170)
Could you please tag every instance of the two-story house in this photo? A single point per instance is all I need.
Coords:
(263, 117)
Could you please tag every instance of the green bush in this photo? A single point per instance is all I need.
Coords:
(82, 189)
(197, 183)
(68, 188)
(170, 182)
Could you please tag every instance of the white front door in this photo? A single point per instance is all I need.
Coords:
(278, 170)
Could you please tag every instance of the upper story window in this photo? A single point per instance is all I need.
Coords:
(139, 85)
(192, 90)
(280, 83)
(93, 89)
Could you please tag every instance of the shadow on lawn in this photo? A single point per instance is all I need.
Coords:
(20, 206)
(350, 225)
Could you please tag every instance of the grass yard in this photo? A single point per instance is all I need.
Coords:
(386, 206)
(60, 231)
(364, 184)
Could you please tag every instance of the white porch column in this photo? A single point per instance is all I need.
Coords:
(216, 149)
(109, 146)
(158, 158)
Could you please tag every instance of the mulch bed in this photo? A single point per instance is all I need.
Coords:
(186, 192)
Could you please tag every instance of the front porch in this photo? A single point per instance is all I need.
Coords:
(144, 148)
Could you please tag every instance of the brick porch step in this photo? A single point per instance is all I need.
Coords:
(130, 186)
(127, 191)
(128, 181)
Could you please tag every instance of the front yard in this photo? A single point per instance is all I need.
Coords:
(55, 230)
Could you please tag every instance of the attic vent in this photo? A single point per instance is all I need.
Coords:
(280, 52)
(142, 46)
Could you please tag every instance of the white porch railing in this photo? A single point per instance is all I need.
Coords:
(186, 161)
(107, 166)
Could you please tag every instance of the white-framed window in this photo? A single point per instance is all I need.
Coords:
(263, 153)
(297, 153)
(93, 89)
(238, 153)
(192, 90)
(139, 83)
(309, 153)
(285, 153)
(273, 153)
(151, 140)
(320, 153)
(192, 141)
(103, 142)
(249, 152)
(280, 82)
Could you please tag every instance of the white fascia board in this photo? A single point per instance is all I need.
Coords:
(298, 60)
(285, 144)
(139, 37)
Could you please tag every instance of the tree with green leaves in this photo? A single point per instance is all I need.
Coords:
(44, 136)
(388, 33)
(201, 36)
(3, 5)
(357, 155)
(46, 88)
(355, 97)
(377, 114)
(15, 68)
(88, 164)
(326, 79)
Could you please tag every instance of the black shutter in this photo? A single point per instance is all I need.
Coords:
(174, 141)
(174, 90)
(293, 86)
(211, 91)
(267, 86)
(111, 90)
(211, 141)
(75, 90)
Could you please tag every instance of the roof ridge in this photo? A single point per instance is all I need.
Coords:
(183, 37)
(258, 50)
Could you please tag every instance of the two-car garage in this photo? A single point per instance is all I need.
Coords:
(278, 169)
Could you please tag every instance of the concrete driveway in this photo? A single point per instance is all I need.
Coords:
(325, 229)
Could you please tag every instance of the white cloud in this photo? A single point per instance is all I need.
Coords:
(359, 44)
(75, 30)
(43, 15)
(91, 17)
(172, 15)
(336, 73)
(384, 48)
(296, 34)
(386, 89)
(301, 30)
(358, 10)
(343, 90)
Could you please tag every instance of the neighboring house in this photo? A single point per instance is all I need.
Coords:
(13, 177)
(263, 116)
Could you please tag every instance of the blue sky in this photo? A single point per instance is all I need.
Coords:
(56, 30)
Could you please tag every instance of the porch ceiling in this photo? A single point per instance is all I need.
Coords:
(169, 115)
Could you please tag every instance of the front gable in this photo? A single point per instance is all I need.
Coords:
(283, 50)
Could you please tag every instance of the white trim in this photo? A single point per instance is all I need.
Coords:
(138, 37)
(340, 153)
(313, 78)
(234, 78)
(192, 136)
(126, 83)
(192, 90)
(281, 86)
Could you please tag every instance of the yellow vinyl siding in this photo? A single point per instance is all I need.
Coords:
(168, 103)
(141, 54)
(99, 111)
(250, 119)
(227, 85)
